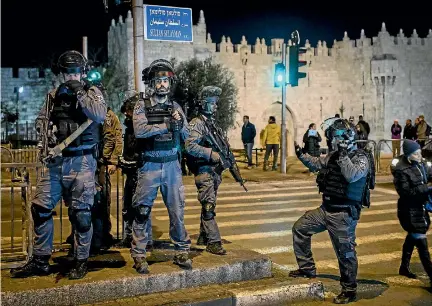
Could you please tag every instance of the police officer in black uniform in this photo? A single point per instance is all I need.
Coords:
(204, 163)
(129, 164)
(344, 179)
(72, 175)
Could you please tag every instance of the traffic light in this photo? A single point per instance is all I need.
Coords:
(294, 63)
(280, 75)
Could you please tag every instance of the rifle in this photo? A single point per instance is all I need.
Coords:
(221, 146)
(45, 131)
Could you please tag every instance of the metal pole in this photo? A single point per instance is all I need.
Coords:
(283, 124)
(85, 46)
(138, 30)
(17, 121)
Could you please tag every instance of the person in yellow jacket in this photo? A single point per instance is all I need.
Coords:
(271, 141)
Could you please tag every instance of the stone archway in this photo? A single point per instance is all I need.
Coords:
(275, 110)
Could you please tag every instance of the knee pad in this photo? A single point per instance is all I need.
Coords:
(82, 220)
(208, 212)
(40, 214)
(142, 214)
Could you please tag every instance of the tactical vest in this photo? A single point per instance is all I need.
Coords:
(333, 185)
(157, 114)
(67, 115)
(129, 142)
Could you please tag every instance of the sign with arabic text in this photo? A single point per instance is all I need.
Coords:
(167, 23)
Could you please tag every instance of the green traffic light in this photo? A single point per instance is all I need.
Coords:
(279, 78)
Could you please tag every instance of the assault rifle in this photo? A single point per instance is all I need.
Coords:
(221, 146)
(45, 130)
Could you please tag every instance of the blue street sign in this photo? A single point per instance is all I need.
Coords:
(168, 23)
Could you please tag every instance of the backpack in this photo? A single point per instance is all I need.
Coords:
(428, 129)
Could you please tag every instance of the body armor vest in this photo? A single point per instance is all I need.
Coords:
(157, 114)
(335, 187)
(67, 115)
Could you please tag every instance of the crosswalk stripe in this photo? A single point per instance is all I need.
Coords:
(195, 205)
(261, 196)
(327, 244)
(362, 260)
(281, 210)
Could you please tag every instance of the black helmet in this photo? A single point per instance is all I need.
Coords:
(339, 130)
(72, 62)
(158, 68)
(129, 103)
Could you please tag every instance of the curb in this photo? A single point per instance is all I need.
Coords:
(126, 287)
(276, 294)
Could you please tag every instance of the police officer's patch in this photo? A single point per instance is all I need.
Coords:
(191, 125)
(139, 109)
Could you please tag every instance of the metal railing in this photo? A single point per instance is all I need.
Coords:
(386, 141)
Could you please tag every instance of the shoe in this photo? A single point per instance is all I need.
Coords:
(183, 261)
(202, 239)
(80, 269)
(216, 248)
(36, 266)
(345, 297)
(141, 265)
(405, 271)
(302, 273)
(125, 243)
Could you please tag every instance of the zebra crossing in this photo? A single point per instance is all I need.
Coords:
(261, 220)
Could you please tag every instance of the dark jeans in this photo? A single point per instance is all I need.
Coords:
(248, 148)
(341, 227)
(270, 148)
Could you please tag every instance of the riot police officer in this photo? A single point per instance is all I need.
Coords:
(344, 179)
(71, 175)
(159, 125)
(128, 163)
(205, 165)
(411, 176)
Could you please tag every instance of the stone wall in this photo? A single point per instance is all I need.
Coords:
(384, 77)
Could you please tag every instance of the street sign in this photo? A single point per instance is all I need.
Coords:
(167, 23)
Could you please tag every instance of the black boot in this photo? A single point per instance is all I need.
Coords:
(302, 273)
(125, 243)
(183, 260)
(422, 248)
(216, 248)
(202, 239)
(36, 266)
(407, 250)
(79, 270)
(345, 297)
(141, 265)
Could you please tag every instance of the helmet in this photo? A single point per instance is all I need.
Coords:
(208, 98)
(158, 70)
(72, 62)
(339, 130)
(129, 104)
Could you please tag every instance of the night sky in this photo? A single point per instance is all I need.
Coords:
(33, 32)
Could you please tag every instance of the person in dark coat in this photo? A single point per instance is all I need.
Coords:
(312, 141)
(410, 131)
(360, 135)
(411, 175)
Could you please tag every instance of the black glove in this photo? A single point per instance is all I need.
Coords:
(298, 149)
(343, 149)
(75, 86)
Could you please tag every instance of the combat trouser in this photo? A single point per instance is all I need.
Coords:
(72, 178)
(207, 183)
(168, 177)
(341, 227)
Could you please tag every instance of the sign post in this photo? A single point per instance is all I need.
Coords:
(166, 23)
